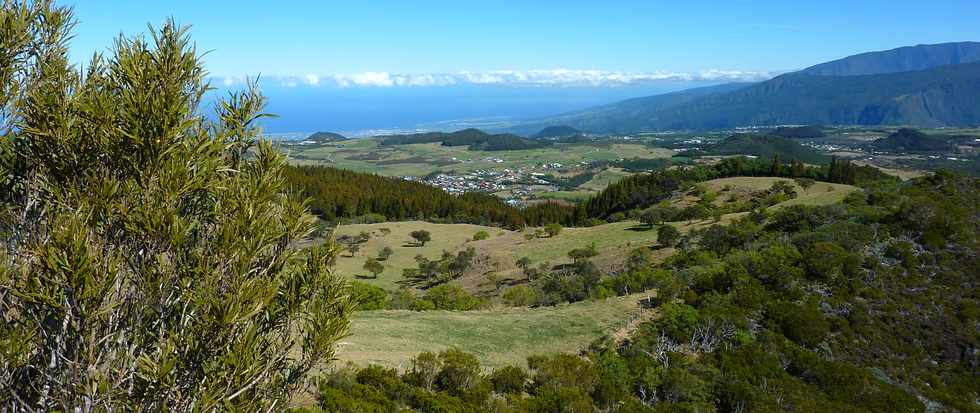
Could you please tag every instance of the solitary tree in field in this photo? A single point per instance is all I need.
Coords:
(552, 229)
(668, 236)
(385, 253)
(145, 250)
(651, 216)
(374, 267)
(421, 237)
(353, 249)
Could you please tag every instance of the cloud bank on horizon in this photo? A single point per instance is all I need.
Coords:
(515, 78)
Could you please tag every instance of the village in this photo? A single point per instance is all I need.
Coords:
(518, 181)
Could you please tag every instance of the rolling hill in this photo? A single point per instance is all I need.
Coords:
(876, 89)
(475, 139)
(907, 139)
(763, 146)
(327, 137)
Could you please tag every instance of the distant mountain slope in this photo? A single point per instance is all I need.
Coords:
(907, 139)
(798, 132)
(943, 96)
(557, 132)
(902, 59)
(927, 86)
(624, 116)
(327, 137)
(762, 146)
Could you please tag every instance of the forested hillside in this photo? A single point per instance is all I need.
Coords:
(337, 193)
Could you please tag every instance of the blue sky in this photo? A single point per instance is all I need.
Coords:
(301, 37)
(451, 58)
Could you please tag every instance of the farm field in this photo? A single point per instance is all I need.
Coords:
(497, 337)
(366, 155)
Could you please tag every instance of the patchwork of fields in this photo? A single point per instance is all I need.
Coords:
(366, 155)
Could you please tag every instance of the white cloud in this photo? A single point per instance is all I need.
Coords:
(514, 78)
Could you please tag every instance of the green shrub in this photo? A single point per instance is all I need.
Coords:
(481, 235)
(520, 296)
(804, 324)
(678, 320)
(452, 297)
(509, 379)
(368, 297)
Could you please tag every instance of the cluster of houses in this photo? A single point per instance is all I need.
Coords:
(487, 180)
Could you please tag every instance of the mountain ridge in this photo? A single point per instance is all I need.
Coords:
(901, 59)
(945, 92)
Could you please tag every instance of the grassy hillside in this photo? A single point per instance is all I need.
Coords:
(498, 337)
(449, 237)
(500, 252)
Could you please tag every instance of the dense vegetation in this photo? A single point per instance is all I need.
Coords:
(865, 306)
(145, 259)
(475, 139)
(763, 146)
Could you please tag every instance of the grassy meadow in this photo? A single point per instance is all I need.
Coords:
(498, 337)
